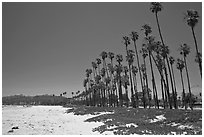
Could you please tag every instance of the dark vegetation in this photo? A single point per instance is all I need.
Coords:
(35, 100)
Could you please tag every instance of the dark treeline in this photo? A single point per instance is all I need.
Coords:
(35, 100)
(109, 82)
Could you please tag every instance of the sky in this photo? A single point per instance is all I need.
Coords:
(46, 47)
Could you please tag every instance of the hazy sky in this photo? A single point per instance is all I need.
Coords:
(47, 47)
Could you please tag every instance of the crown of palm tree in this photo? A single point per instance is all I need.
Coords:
(85, 82)
(184, 49)
(125, 80)
(164, 50)
(143, 68)
(180, 64)
(198, 57)
(110, 68)
(191, 17)
(111, 55)
(126, 40)
(119, 58)
(118, 69)
(94, 65)
(171, 60)
(103, 55)
(103, 72)
(130, 56)
(160, 62)
(147, 29)
(144, 51)
(134, 36)
(97, 79)
(98, 61)
(134, 70)
(155, 7)
(125, 69)
(107, 80)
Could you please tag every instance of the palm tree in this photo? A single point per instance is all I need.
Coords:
(172, 60)
(130, 60)
(72, 94)
(155, 8)
(94, 65)
(111, 56)
(150, 47)
(98, 62)
(86, 91)
(192, 19)
(185, 50)
(144, 55)
(104, 55)
(125, 83)
(111, 71)
(118, 68)
(134, 72)
(180, 65)
(198, 58)
(134, 37)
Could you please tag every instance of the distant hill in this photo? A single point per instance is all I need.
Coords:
(35, 100)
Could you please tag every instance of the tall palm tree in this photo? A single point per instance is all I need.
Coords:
(94, 65)
(125, 83)
(98, 62)
(150, 47)
(134, 72)
(180, 65)
(111, 56)
(134, 37)
(155, 8)
(104, 55)
(118, 68)
(172, 60)
(111, 70)
(130, 60)
(192, 19)
(144, 55)
(86, 91)
(185, 50)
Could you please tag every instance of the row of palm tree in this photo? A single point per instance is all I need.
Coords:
(106, 80)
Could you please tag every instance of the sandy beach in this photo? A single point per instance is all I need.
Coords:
(45, 120)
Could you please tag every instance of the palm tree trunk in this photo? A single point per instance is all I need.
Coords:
(162, 88)
(175, 91)
(131, 85)
(135, 88)
(153, 82)
(169, 98)
(120, 90)
(172, 86)
(184, 98)
(141, 81)
(189, 86)
(162, 77)
(147, 85)
(199, 61)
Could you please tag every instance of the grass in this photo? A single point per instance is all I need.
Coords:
(176, 122)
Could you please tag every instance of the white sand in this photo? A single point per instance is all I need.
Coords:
(45, 120)
(158, 118)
